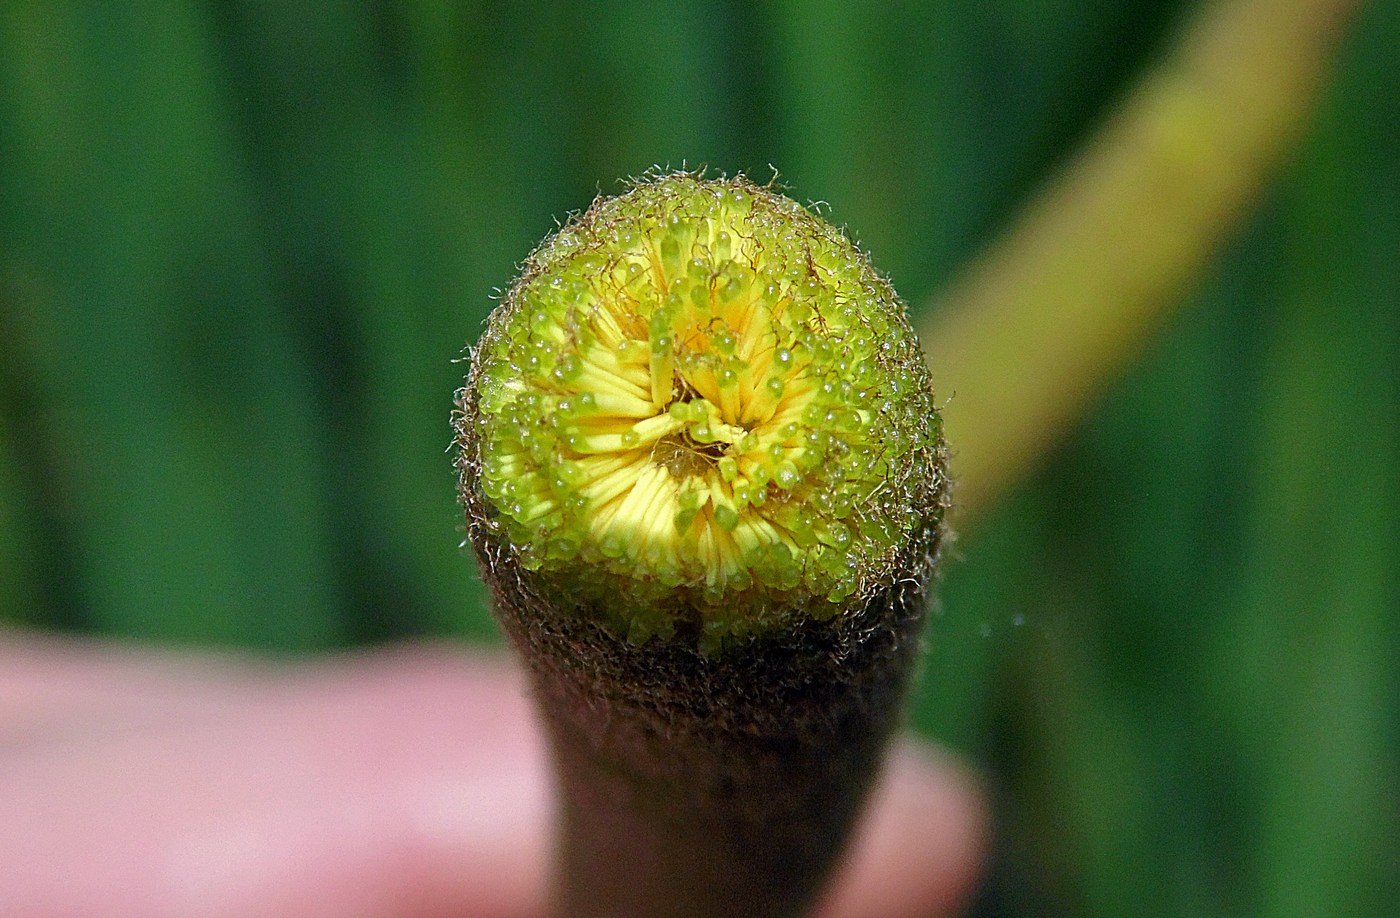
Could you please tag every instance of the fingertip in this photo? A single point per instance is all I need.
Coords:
(405, 782)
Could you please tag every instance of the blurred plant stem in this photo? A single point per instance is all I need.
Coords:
(1038, 326)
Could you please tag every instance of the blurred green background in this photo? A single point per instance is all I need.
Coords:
(242, 242)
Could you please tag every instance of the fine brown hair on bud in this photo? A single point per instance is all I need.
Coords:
(703, 475)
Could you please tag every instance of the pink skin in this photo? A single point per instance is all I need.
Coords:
(406, 782)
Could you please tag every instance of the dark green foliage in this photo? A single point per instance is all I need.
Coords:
(241, 242)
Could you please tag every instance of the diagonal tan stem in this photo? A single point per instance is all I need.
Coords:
(1051, 313)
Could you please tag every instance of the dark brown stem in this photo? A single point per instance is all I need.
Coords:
(711, 785)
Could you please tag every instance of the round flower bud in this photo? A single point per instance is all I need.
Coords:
(701, 414)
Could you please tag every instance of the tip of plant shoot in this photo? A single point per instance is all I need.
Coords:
(701, 410)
